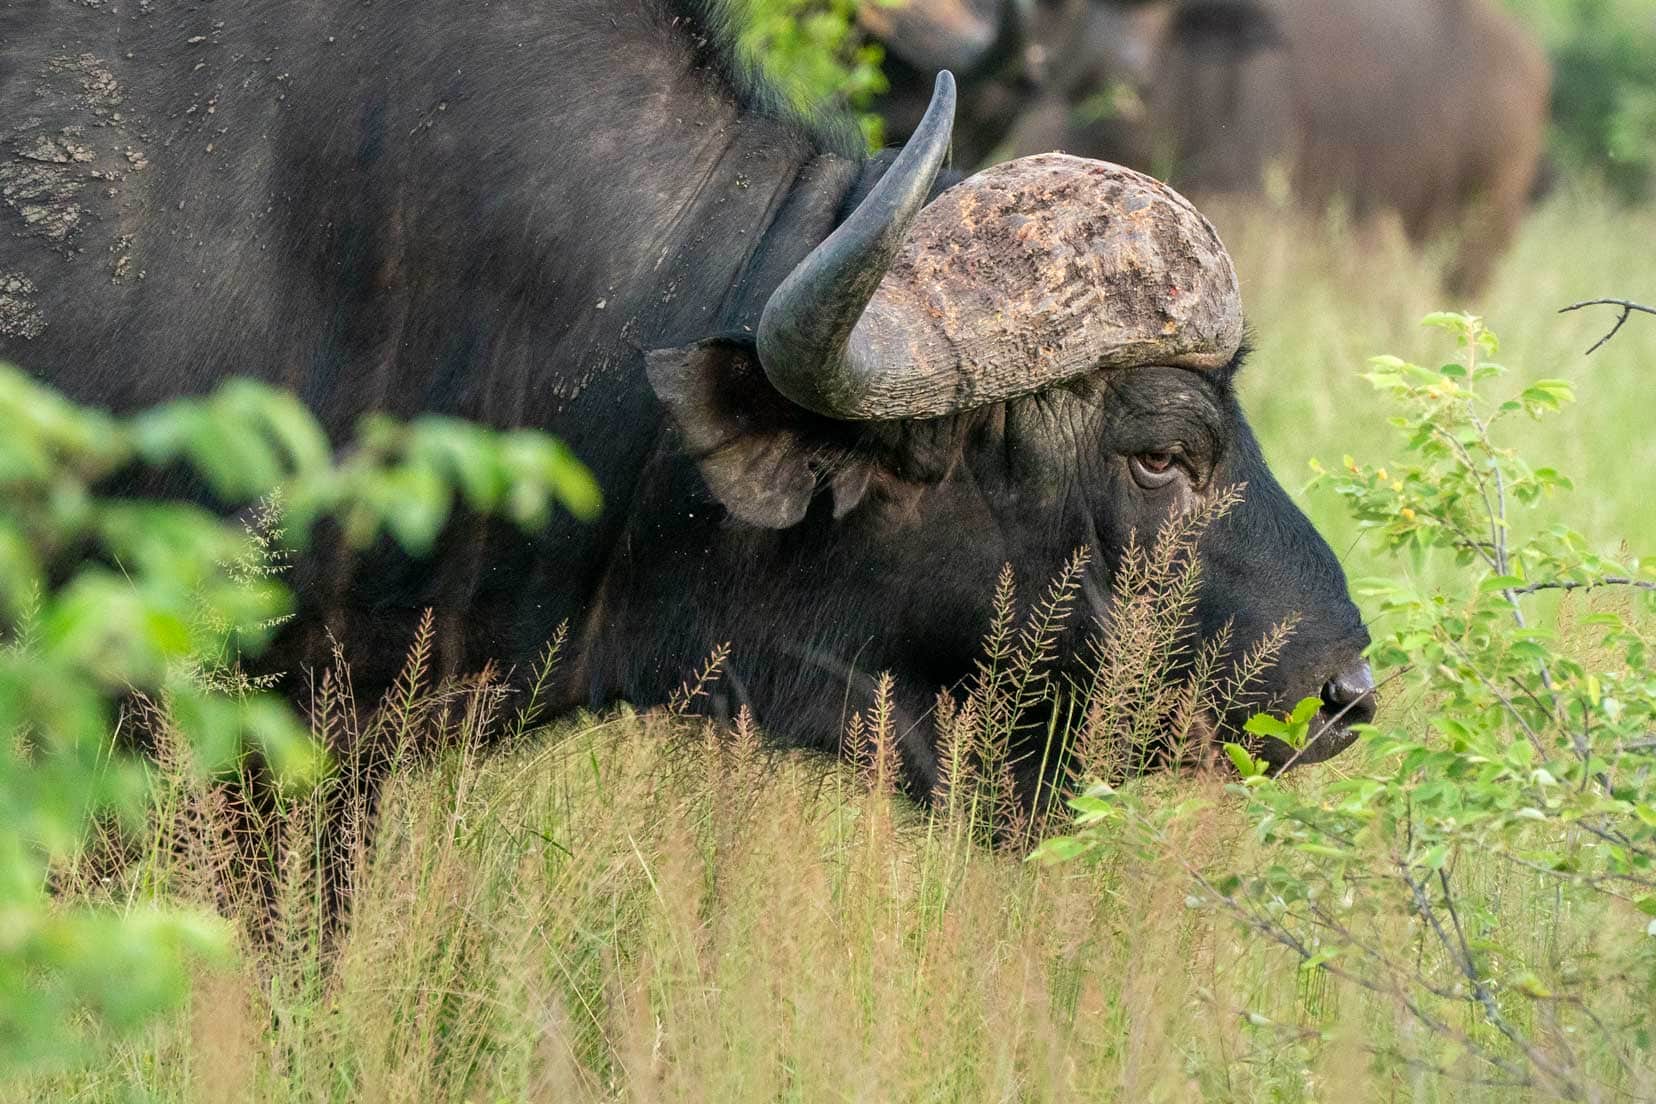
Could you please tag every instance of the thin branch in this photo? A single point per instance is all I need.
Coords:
(1495, 557)
(1530, 733)
(1601, 883)
(1627, 307)
(1617, 839)
(1497, 516)
(1460, 954)
(1570, 584)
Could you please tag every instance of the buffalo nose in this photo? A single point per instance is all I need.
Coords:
(1351, 694)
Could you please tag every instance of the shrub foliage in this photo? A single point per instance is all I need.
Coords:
(105, 599)
(816, 51)
(1604, 87)
(1517, 756)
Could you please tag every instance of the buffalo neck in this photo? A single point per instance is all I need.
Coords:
(489, 211)
(751, 221)
(681, 236)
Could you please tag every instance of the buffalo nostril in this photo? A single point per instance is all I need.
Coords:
(1351, 694)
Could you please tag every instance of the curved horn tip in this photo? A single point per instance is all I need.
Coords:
(934, 135)
(807, 322)
(941, 110)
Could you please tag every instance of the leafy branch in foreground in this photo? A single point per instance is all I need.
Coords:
(103, 598)
(1527, 770)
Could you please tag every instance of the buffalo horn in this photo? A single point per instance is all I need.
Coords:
(1029, 273)
(808, 319)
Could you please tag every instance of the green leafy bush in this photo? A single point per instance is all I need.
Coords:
(1526, 764)
(104, 598)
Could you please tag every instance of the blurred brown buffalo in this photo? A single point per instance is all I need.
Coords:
(1433, 109)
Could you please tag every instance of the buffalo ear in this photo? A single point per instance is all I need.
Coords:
(753, 446)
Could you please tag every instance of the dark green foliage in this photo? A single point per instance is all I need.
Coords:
(1604, 88)
(104, 599)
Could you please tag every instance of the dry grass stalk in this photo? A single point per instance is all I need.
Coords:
(1149, 696)
(680, 702)
(531, 713)
(393, 730)
(881, 765)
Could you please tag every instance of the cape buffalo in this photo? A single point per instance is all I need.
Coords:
(1433, 109)
(823, 417)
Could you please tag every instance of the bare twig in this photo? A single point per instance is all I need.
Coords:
(1460, 954)
(1627, 307)
(1589, 584)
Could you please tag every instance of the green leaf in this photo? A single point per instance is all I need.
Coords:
(417, 507)
(1549, 394)
(286, 420)
(1321, 956)
(1452, 728)
(1246, 764)
(1451, 321)
(1085, 803)
(1059, 849)
(1304, 710)
(1263, 724)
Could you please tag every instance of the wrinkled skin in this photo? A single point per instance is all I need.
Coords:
(1432, 110)
(497, 213)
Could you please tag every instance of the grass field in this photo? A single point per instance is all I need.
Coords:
(615, 910)
(1320, 306)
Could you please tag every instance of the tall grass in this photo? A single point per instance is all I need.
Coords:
(629, 907)
(607, 916)
(626, 911)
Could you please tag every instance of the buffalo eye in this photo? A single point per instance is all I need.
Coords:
(1153, 470)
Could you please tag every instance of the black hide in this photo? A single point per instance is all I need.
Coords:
(524, 212)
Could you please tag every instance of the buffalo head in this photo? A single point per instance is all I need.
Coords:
(1041, 358)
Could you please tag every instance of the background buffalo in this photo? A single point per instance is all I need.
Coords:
(1434, 111)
